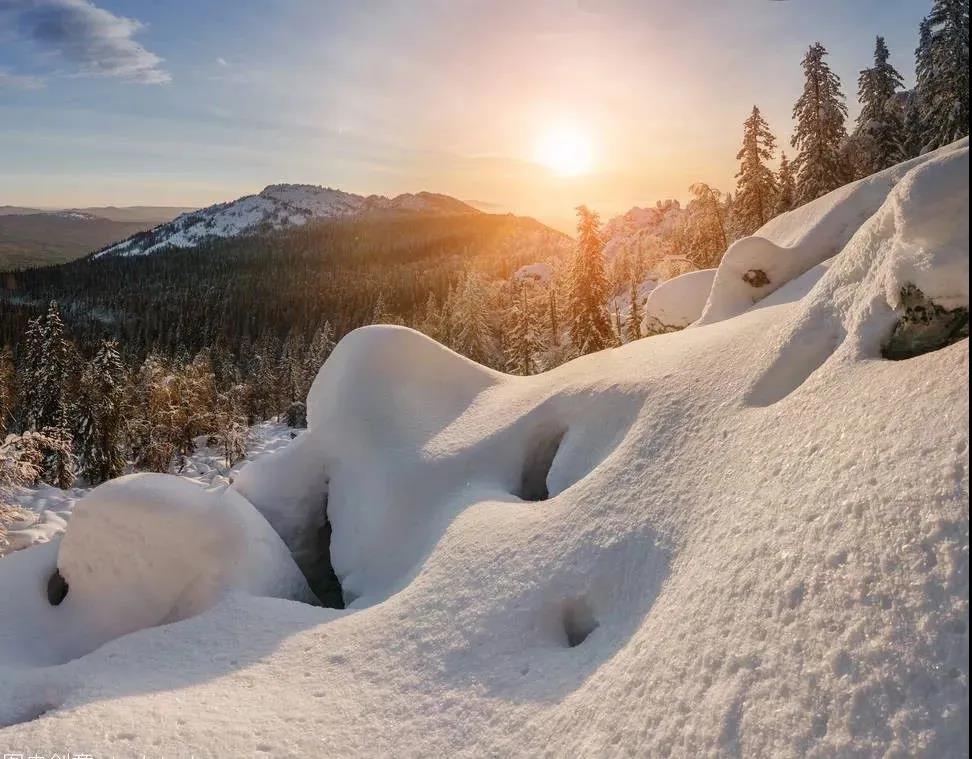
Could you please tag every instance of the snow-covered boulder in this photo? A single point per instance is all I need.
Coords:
(792, 243)
(677, 303)
(145, 550)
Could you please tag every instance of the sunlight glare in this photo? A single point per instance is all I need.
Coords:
(564, 150)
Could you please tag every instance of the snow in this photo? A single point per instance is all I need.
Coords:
(795, 242)
(678, 302)
(538, 272)
(754, 542)
(278, 206)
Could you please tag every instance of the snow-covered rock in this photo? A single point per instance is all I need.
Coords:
(795, 242)
(279, 206)
(747, 538)
(677, 303)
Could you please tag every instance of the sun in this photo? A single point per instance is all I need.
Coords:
(565, 150)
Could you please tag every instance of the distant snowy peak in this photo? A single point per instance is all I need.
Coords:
(278, 207)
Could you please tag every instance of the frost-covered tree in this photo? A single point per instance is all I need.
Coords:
(912, 133)
(525, 342)
(314, 357)
(553, 313)
(786, 185)
(470, 330)
(819, 113)
(7, 389)
(589, 288)
(632, 327)
(878, 134)
(45, 372)
(942, 71)
(100, 435)
(705, 226)
(755, 182)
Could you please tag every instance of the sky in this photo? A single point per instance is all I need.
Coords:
(117, 102)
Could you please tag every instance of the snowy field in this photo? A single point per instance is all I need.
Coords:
(746, 538)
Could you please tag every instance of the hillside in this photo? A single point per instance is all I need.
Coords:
(280, 207)
(747, 538)
(231, 290)
(30, 237)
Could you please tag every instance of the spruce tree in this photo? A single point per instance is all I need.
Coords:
(102, 421)
(879, 132)
(471, 332)
(755, 185)
(590, 328)
(7, 390)
(942, 68)
(819, 113)
(45, 376)
(786, 186)
(632, 329)
(525, 342)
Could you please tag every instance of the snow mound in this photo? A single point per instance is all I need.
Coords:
(678, 302)
(794, 242)
(745, 539)
(146, 550)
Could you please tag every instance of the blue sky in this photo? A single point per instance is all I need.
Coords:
(189, 103)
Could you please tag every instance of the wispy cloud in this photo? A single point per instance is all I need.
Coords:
(222, 62)
(97, 41)
(12, 81)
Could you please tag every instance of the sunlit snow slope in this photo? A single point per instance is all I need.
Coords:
(746, 538)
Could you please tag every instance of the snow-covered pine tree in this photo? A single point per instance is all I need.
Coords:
(819, 113)
(912, 134)
(590, 327)
(553, 313)
(101, 425)
(786, 186)
(632, 327)
(314, 357)
(705, 227)
(470, 331)
(755, 182)
(879, 132)
(942, 70)
(525, 342)
(7, 389)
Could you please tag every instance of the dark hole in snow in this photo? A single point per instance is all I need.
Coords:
(756, 278)
(536, 465)
(319, 570)
(579, 622)
(57, 588)
(924, 327)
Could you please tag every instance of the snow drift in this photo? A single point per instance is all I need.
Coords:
(745, 538)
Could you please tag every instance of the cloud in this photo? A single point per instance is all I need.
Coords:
(222, 62)
(19, 82)
(97, 41)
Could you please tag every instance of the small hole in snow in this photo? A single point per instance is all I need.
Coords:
(536, 466)
(579, 622)
(57, 588)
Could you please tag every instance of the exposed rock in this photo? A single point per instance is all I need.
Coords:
(57, 588)
(924, 327)
(756, 278)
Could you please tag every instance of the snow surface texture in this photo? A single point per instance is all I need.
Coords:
(279, 206)
(748, 538)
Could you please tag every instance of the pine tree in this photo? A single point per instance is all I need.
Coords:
(553, 314)
(942, 69)
(47, 363)
(755, 185)
(879, 129)
(705, 226)
(786, 186)
(820, 113)
(102, 422)
(7, 390)
(525, 342)
(471, 331)
(590, 328)
(912, 134)
(633, 322)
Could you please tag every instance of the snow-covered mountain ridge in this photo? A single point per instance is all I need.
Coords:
(277, 207)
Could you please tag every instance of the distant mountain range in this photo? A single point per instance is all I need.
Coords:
(37, 237)
(279, 207)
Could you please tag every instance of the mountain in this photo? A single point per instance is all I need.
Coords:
(279, 207)
(43, 238)
(141, 214)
